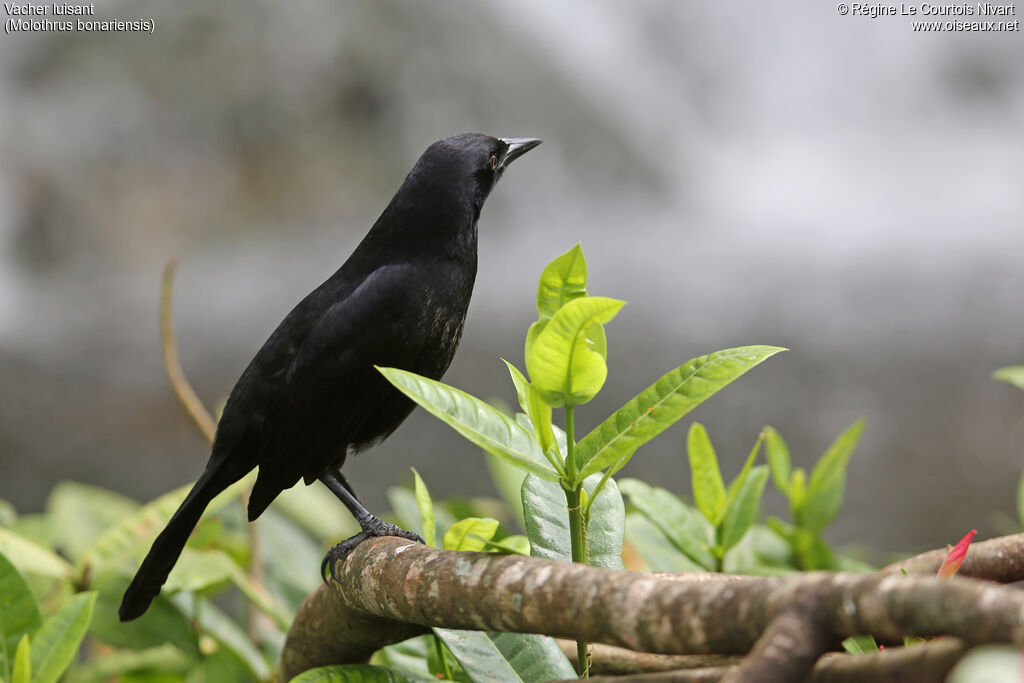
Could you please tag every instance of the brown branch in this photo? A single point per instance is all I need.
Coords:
(998, 559)
(608, 659)
(927, 663)
(388, 584)
(190, 401)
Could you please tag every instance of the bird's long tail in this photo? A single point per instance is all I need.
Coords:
(168, 545)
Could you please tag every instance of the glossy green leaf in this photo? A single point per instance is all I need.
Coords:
(508, 481)
(357, 673)
(478, 656)
(566, 365)
(82, 512)
(561, 281)
(682, 525)
(533, 657)
(520, 382)
(21, 672)
(19, 614)
(708, 487)
(828, 480)
(663, 403)
(31, 557)
(547, 522)
(426, 508)
(779, 461)
(57, 640)
(479, 422)
(516, 544)
(470, 534)
(1011, 375)
(741, 512)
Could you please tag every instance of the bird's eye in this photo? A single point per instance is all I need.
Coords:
(494, 163)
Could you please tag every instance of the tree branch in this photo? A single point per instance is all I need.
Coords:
(998, 559)
(190, 401)
(389, 586)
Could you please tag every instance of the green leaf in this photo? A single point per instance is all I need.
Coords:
(741, 512)
(82, 512)
(316, 511)
(130, 537)
(22, 671)
(859, 645)
(649, 543)
(479, 657)
(115, 664)
(1011, 375)
(561, 281)
(32, 558)
(510, 545)
(533, 657)
(479, 422)
(520, 382)
(547, 522)
(663, 403)
(197, 570)
(828, 479)
(214, 622)
(19, 614)
(356, 673)
(467, 534)
(682, 525)
(426, 507)
(708, 487)
(565, 362)
(57, 640)
(734, 487)
(508, 481)
(778, 459)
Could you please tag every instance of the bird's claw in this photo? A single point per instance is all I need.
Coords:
(374, 527)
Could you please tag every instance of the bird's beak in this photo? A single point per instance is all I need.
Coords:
(517, 147)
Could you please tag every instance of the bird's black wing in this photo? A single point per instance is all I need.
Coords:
(331, 388)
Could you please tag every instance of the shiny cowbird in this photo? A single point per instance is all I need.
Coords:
(311, 395)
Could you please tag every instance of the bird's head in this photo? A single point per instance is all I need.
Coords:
(476, 160)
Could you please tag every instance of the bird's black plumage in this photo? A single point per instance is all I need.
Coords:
(311, 394)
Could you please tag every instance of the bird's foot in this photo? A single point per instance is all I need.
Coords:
(373, 527)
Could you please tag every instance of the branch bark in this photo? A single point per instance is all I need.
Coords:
(998, 559)
(390, 589)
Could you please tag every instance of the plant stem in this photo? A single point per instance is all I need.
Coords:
(577, 535)
(439, 647)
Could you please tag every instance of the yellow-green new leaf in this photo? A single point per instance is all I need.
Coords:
(22, 672)
(484, 425)
(708, 487)
(566, 362)
(1013, 374)
(56, 642)
(471, 533)
(659, 406)
(562, 280)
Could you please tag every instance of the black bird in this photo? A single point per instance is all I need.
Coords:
(311, 395)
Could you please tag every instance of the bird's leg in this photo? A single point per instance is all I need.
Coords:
(371, 525)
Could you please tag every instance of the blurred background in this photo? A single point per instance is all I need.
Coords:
(740, 173)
